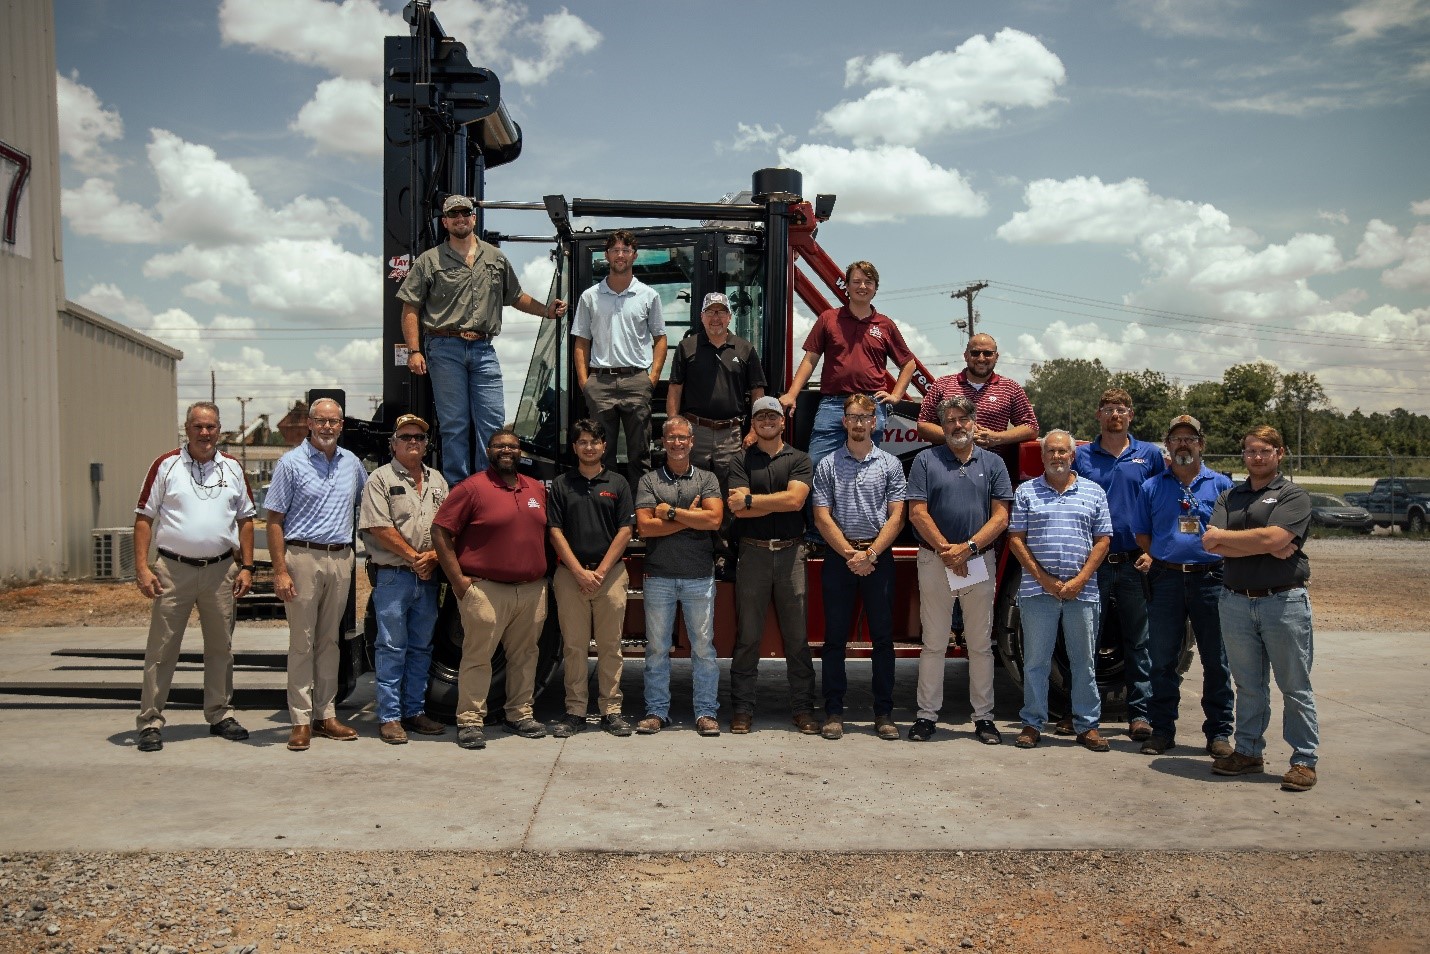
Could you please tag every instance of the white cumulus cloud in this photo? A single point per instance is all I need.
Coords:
(344, 116)
(1413, 272)
(85, 125)
(95, 209)
(342, 38)
(1372, 19)
(885, 183)
(557, 36)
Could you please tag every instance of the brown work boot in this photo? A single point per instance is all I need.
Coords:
(1092, 741)
(807, 722)
(707, 726)
(1301, 778)
(333, 729)
(833, 727)
(1064, 727)
(1028, 738)
(651, 724)
(741, 722)
(1219, 748)
(1139, 730)
(300, 738)
(1238, 764)
(886, 728)
(391, 733)
(424, 724)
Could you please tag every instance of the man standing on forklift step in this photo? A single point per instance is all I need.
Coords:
(1005, 415)
(859, 493)
(398, 505)
(856, 342)
(769, 484)
(459, 288)
(618, 351)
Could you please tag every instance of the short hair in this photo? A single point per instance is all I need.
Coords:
(859, 400)
(506, 430)
(676, 419)
(585, 425)
(332, 401)
(201, 406)
(1058, 432)
(621, 237)
(981, 334)
(959, 402)
(866, 267)
(1266, 433)
(1114, 396)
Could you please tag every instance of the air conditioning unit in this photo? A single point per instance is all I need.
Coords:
(113, 550)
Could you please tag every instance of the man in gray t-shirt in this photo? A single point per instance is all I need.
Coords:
(677, 508)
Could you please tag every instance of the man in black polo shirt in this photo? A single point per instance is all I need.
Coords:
(591, 514)
(712, 382)
(1257, 527)
(768, 487)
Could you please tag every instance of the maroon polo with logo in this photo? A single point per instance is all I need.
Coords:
(499, 531)
(856, 350)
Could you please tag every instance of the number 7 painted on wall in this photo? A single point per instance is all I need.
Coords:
(9, 230)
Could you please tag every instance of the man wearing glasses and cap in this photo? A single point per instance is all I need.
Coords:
(1005, 415)
(398, 505)
(454, 294)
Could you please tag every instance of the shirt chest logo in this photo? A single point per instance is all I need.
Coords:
(1269, 500)
(875, 332)
(532, 504)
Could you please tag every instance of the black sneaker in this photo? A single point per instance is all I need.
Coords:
(150, 740)
(229, 729)
(922, 730)
(568, 725)
(527, 728)
(616, 724)
(986, 732)
(471, 737)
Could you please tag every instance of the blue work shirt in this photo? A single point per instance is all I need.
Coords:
(1061, 529)
(1121, 479)
(316, 496)
(860, 507)
(1165, 501)
(959, 496)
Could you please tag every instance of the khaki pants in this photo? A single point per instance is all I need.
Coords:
(600, 616)
(509, 614)
(322, 579)
(935, 618)
(181, 588)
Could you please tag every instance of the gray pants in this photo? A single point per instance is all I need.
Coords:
(622, 402)
(766, 577)
(182, 587)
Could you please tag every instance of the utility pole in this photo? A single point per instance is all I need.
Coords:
(242, 429)
(967, 293)
(213, 387)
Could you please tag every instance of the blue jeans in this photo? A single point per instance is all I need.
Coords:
(1271, 635)
(1041, 615)
(1176, 598)
(406, 610)
(841, 588)
(697, 599)
(828, 431)
(467, 391)
(1126, 584)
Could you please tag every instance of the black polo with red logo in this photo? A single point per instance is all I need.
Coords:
(589, 512)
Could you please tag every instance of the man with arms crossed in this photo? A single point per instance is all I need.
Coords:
(1005, 415)
(859, 493)
(1060, 531)
(398, 505)
(1258, 527)
(959, 496)
(310, 507)
(195, 505)
(677, 507)
(590, 516)
(490, 536)
(769, 484)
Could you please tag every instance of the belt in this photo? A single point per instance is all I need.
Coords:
(861, 544)
(713, 424)
(385, 566)
(593, 565)
(195, 561)
(771, 545)
(1188, 567)
(1126, 556)
(618, 370)
(464, 335)
(1265, 592)
(330, 547)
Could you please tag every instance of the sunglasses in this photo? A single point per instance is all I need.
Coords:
(982, 354)
(412, 438)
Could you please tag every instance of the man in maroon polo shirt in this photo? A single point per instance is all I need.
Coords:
(490, 536)
(1005, 415)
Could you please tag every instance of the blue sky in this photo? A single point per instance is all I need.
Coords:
(1178, 184)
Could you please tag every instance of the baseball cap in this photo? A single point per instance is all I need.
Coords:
(457, 202)
(767, 403)
(1185, 420)
(406, 419)
(716, 298)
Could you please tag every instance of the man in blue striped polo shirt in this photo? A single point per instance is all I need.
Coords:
(859, 523)
(1060, 531)
(311, 504)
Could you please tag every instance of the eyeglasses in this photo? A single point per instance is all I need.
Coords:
(1268, 452)
(859, 418)
(1184, 440)
(412, 438)
(591, 443)
(678, 438)
(327, 421)
(981, 354)
(1116, 410)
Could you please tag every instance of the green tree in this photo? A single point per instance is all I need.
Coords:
(1298, 396)
(1256, 383)
(1064, 392)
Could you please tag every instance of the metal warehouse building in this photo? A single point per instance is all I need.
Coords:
(87, 402)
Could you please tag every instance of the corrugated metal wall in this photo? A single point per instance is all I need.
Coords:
(31, 290)
(117, 395)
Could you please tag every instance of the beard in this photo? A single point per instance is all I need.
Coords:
(959, 441)
(1058, 470)
(505, 464)
(1183, 459)
(323, 442)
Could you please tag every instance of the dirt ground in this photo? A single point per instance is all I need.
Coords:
(999, 901)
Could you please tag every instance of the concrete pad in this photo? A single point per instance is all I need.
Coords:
(72, 778)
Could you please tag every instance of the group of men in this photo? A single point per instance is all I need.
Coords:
(1107, 529)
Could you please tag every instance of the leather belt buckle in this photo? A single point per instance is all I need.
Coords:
(194, 561)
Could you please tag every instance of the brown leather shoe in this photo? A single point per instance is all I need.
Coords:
(1028, 738)
(392, 734)
(807, 722)
(1064, 726)
(1092, 741)
(707, 726)
(833, 727)
(423, 724)
(740, 723)
(1139, 730)
(300, 738)
(333, 729)
(885, 728)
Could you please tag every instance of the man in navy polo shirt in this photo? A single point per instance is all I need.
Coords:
(1186, 585)
(1119, 463)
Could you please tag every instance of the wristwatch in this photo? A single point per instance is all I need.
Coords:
(247, 566)
(972, 548)
(749, 501)
(669, 513)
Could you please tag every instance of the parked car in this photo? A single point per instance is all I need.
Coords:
(1328, 510)
(1397, 501)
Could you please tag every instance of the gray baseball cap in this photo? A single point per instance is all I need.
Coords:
(457, 202)
(1185, 420)
(767, 403)
(716, 298)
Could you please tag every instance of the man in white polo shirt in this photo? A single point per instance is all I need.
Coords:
(195, 506)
